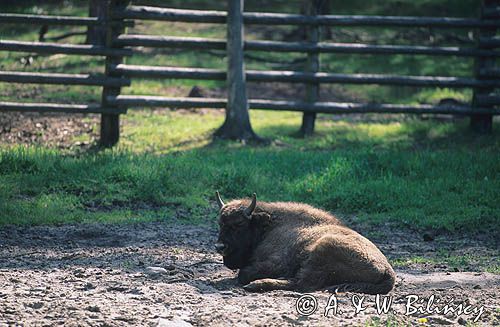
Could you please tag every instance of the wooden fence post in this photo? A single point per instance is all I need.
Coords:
(312, 66)
(237, 124)
(96, 34)
(110, 123)
(483, 123)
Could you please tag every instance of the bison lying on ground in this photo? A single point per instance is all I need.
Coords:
(286, 245)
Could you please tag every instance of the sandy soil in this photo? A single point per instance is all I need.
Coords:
(158, 274)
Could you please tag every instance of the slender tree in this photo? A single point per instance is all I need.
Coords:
(237, 123)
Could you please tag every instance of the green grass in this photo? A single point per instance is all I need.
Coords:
(411, 172)
(460, 262)
(408, 171)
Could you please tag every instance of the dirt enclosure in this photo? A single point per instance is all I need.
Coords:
(158, 274)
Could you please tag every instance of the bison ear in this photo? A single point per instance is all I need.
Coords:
(261, 218)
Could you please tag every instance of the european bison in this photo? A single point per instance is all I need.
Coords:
(293, 246)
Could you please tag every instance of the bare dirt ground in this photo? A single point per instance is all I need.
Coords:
(167, 274)
(49, 129)
(159, 274)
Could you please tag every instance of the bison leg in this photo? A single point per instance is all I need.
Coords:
(269, 284)
(251, 273)
(260, 270)
(246, 275)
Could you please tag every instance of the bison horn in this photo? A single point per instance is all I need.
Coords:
(219, 200)
(251, 207)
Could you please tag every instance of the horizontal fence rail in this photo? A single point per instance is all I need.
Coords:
(53, 48)
(320, 107)
(489, 42)
(489, 72)
(66, 79)
(58, 20)
(212, 16)
(491, 12)
(57, 107)
(301, 77)
(49, 20)
(422, 81)
(135, 40)
(171, 15)
(169, 72)
(126, 101)
(488, 100)
(278, 46)
(359, 48)
(348, 108)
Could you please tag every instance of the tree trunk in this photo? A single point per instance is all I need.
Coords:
(237, 124)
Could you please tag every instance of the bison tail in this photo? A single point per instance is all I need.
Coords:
(384, 286)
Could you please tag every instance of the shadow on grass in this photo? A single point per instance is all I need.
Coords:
(414, 173)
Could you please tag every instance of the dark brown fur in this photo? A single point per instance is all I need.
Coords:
(286, 245)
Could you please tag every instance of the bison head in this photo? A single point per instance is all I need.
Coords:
(240, 231)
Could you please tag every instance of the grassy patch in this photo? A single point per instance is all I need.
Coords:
(413, 172)
(405, 170)
(458, 262)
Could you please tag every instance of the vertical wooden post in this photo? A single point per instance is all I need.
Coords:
(312, 66)
(483, 123)
(237, 124)
(110, 123)
(97, 34)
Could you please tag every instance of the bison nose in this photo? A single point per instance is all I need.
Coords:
(219, 247)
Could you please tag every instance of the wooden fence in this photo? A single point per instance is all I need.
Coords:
(119, 44)
(111, 83)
